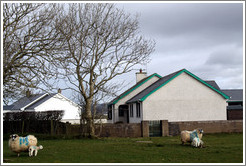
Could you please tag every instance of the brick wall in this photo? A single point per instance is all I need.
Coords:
(220, 126)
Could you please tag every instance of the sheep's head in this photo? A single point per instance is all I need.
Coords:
(200, 131)
(13, 137)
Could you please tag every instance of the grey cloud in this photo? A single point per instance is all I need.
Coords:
(228, 56)
(205, 38)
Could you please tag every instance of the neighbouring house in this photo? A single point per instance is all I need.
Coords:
(180, 96)
(235, 104)
(47, 102)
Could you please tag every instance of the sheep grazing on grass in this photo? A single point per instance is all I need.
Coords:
(197, 142)
(21, 144)
(33, 150)
(188, 136)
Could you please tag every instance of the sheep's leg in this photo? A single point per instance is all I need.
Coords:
(36, 152)
(18, 154)
(30, 152)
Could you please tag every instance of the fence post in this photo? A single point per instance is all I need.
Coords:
(145, 128)
(51, 127)
(67, 128)
(165, 127)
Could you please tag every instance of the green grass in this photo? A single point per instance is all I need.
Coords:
(219, 148)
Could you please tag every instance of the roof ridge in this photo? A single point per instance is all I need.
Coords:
(166, 79)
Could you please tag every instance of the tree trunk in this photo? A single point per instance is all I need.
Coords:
(89, 120)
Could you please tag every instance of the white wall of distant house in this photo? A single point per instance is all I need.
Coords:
(184, 99)
(59, 102)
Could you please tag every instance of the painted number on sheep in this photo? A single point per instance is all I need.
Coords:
(24, 140)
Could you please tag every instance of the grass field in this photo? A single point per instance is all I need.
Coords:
(219, 148)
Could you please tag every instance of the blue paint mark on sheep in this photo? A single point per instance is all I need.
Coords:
(24, 140)
(193, 135)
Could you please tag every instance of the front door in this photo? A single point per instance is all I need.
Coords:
(124, 113)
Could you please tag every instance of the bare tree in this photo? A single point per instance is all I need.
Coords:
(102, 42)
(29, 42)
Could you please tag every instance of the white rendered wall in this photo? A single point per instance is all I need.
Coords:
(184, 99)
(135, 119)
(57, 102)
(122, 101)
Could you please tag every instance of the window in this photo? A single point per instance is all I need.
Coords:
(121, 110)
(138, 109)
(110, 112)
(131, 110)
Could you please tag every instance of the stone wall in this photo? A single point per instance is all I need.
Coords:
(135, 129)
(119, 130)
(220, 126)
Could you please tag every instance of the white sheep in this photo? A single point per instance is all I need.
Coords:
(21, 144)
(197, 142)
(188, 136)
(33, 150)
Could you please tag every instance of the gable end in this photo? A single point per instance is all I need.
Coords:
(192, 75)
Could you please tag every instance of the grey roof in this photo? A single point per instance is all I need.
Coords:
(152, 87)
(131, 89)
(24, 101)
(235, 94)
(42, 100)
(234, 107)
(213, 84)
(165, 80)
(8, 107)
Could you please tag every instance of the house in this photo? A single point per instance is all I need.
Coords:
(179, 96)
(47, 102)
(235, 104)
(118, 108)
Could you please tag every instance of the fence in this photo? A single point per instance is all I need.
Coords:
(123, 130)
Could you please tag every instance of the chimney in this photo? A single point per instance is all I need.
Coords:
(140, 75)
(28, 93)
(59, 90)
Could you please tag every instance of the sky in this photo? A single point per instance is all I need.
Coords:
(204, 38)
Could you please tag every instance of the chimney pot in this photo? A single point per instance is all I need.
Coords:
(59, 90)
(28, 93)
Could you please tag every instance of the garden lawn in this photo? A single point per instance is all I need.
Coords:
(219, 148)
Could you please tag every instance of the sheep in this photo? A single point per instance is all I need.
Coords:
(197, 142)
(33, 150)
(188, 136)
(21, 144)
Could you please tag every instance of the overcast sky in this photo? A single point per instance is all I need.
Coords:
(204, 38)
